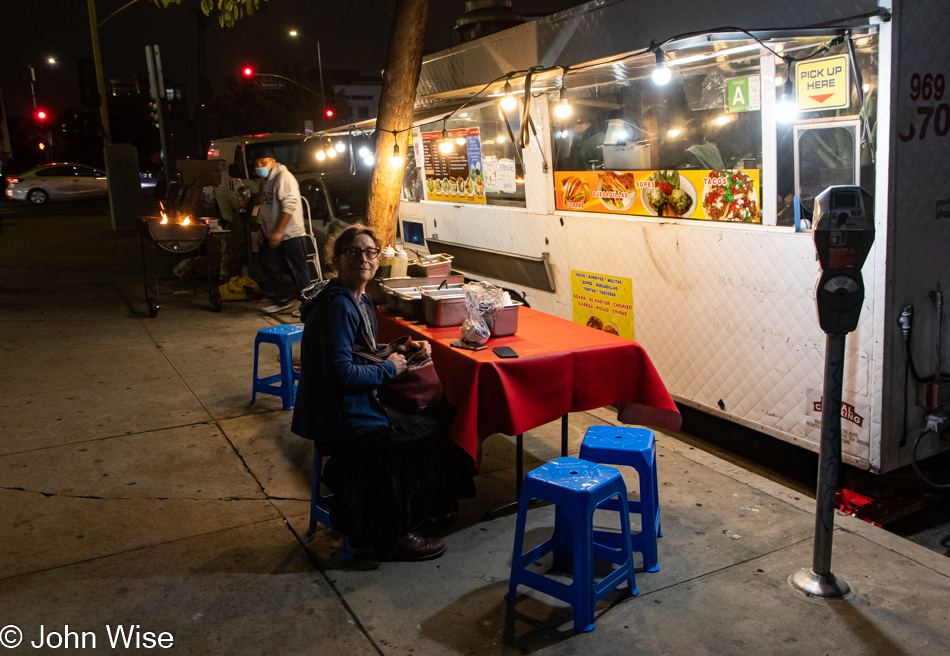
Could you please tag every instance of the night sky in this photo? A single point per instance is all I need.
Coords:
(354, 34)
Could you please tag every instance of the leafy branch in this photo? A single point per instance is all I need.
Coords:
(229, 11)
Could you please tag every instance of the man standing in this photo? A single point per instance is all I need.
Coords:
(283, 244)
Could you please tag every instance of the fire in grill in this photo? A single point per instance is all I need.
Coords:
(177, 235)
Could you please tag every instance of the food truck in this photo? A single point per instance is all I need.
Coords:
(655, 177)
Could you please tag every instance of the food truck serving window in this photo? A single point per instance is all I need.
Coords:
(679, 150)
(479, 164)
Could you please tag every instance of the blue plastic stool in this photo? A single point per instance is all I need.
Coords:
(320, 505)
(632, 447)
(284, 337)
(577, 488)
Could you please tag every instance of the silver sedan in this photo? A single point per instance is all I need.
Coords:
(54, 181)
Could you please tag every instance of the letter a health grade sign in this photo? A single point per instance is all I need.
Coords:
(742, 94)
(823, 83)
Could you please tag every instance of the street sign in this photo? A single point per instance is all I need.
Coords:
(823, 83)
(272, 84)
(742, 94)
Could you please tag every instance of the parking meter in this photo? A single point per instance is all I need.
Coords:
(844, 232)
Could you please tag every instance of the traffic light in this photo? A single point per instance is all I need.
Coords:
(40, 115)
(153, 113)
(329, 113)
(248, 72)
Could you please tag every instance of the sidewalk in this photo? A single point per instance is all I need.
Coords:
(139, 487)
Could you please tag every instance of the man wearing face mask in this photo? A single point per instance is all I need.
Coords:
(283, 240)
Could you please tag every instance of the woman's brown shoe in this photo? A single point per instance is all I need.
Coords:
(413, 547)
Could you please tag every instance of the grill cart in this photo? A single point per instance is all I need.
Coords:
(177, 231)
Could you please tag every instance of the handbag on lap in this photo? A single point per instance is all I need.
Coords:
(413, 390)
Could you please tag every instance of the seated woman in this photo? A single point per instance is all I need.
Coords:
(388, 471)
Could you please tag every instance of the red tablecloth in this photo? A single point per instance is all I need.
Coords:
(563, 367)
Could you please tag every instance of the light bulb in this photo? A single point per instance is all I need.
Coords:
(674, 132)
(786, 110)
(321, 155)
(508, 103)
(340, 146)
(563, 108)
(460, 141)
(445, 144)
(778, 81)
(331, 152)
(396, 159)
(500, 138)
(661, 74)
(722, 120)
(364, 151)
(865, 87)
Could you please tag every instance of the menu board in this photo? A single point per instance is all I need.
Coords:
(456, 176)
(712, 195)
(603, 302)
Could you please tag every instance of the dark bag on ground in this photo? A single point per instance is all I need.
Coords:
(415, 389)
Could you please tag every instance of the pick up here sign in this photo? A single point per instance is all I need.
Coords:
(823, 83)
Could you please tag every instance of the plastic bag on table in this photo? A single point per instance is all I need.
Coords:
(482, 302)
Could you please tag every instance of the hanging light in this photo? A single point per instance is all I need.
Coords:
(563, 108)
(331, 152)
(445, 144)
(460, 141)
(786, 110)
(396, 159)
(508, 103)
(340, 146)
(321, 155)
(661, 74)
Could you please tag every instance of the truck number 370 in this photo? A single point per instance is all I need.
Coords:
(928, 87)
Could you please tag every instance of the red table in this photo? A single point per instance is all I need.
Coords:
(563, 367)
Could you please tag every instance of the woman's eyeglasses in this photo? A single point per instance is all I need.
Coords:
(358, 253)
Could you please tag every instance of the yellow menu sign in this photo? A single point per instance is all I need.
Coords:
(823, 83)
(603, 302)
(712, 195)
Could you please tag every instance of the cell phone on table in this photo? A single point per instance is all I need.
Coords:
(467, 346)
(505, 352)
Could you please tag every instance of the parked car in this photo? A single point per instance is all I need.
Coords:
(55, 181)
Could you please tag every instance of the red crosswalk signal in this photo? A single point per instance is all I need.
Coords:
(329, 113)
(248, 71)
(40, 115)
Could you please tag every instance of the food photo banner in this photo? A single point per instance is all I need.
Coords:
(456, 176)
(603, 302)
(715, 195)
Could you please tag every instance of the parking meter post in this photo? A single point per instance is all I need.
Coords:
(843, 233)
(829, 454)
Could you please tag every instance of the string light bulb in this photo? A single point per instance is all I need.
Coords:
(563, 108)
(786, 109)
(508, 103)
(396, 159)
(661, 74)
(321, 155)
(445, 144)
(331, 152)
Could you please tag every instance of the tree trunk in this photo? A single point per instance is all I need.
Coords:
(396, 101)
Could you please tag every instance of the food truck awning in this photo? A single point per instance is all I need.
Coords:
(599, 31)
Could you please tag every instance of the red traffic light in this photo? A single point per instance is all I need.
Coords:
(40, 115)
(329, 113)
(248, 71)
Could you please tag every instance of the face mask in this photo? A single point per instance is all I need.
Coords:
(263, 171)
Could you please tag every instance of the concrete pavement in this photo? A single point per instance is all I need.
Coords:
(139, 487)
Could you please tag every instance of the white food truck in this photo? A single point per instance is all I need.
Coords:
(679, 213)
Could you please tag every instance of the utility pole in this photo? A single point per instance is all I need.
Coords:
(403, 66)
(100, 77)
